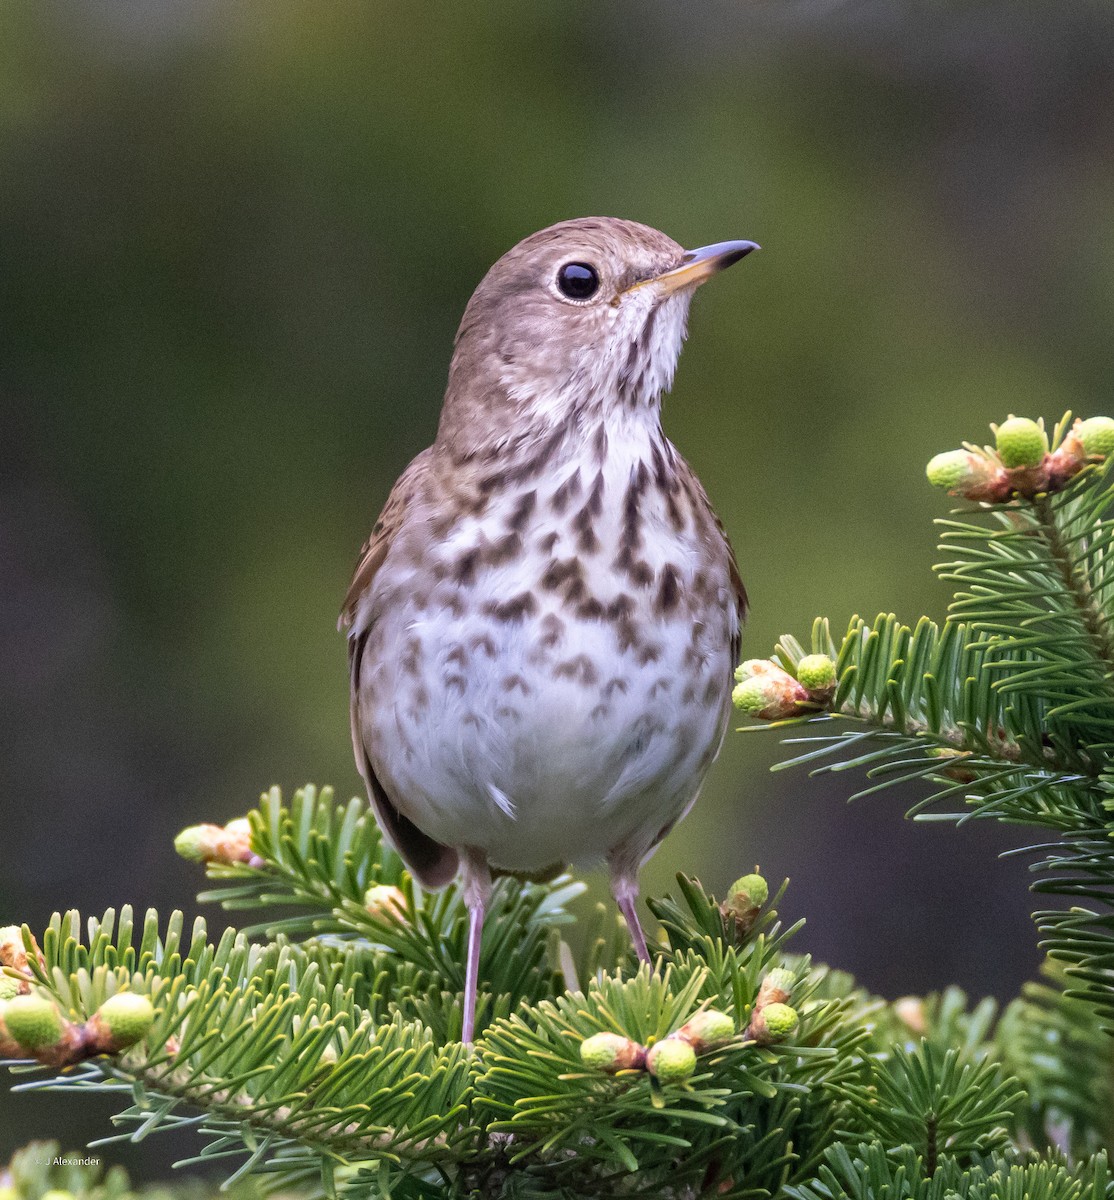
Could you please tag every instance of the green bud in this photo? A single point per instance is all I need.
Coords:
(781, 1019)
(1020, 442)
(9, 987)
(773, 1023)
(671, 1060)
(33, 1021)
(777, 985)
(57, 1194)
(950, 470)
(745, 898)
(816, 672)
(194, 842)
(771, 696)
(1097, 435)
(127, 1017)
(706, 1029)
(611, 1052)
(752, 890)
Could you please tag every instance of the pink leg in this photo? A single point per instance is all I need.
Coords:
(476, 888)
(624, 887)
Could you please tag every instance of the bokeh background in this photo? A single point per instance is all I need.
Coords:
(235, 241)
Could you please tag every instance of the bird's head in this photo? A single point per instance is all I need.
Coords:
(580, 322)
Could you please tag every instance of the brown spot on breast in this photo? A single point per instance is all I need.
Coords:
(547, 543)
(581, 668)
(565, 492)
(456, 683)
(648, 653)
(714, 690)
(660, 685)
(449, 597)
(669, 590)
(503, 550)
(485, 643)
(561, 572)
(411, 660)
(516, 682)
(459, 656)
(553, 630)
(419, 702)
(637, 570)
(619, 613)
(516, 522)
(590, 609)
(517, 608)
(615, 684)
(464, 569)
(599, 444)
(585, 520)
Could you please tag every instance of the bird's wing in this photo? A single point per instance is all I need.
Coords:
(737, 588)
(715, 530)
(433, 864)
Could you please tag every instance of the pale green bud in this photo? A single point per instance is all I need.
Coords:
(1020, 442)
(611, 1052)
(1097, 435)
(774, 1023)
(127, 1017)
(33, 1021)
(706, 1029)
(671, 1060)
(771, 696)
(816, 672)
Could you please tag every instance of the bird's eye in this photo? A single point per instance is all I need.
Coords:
(578, 281)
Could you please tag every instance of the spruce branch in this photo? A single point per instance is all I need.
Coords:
(1008, 708)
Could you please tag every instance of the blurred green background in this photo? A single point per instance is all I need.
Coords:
(235, 241)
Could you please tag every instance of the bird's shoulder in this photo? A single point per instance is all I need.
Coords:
(408, 487)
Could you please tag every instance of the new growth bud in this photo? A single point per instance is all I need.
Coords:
(33, 1022)
(227, 844)
(386, 901)
(775, 988)
(611, 1052)
(9, 987)
(706, 1029)
(13, 953)
(1020, 442)
(770, 694)
(121, 1021)
(774, 1023)
(745, 898)
(671, 1060)
(1096, 435)
(968, 474)
(817, 672)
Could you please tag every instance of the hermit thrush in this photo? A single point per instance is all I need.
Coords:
(543, 624)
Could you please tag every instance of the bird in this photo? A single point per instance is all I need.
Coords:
(544, 622)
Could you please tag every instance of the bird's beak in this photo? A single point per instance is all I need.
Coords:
(698, 266)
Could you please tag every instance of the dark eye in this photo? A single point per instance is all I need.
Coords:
(578, 281)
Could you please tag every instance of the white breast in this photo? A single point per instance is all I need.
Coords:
(549, 705)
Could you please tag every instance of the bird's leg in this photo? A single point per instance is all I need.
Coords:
(624, 887)
(476, 888)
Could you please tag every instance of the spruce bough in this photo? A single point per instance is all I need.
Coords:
(317, 1048)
